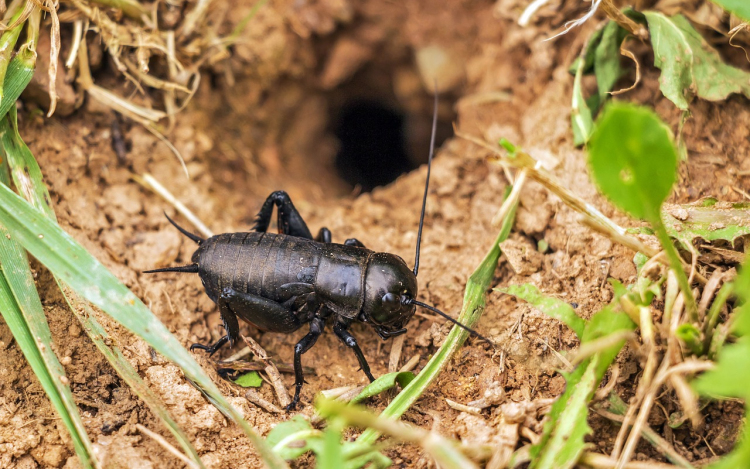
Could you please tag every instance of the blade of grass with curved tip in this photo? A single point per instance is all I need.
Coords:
(67, 259)
(28, 179)
(473, 307)
(23, 312)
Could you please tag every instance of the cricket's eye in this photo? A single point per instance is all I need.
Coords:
(391, 300)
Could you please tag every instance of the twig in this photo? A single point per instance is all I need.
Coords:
(254, 396)
(165, 444)
(625, 23)
(396, 347)
(273, 373)
(149, 182)
(411, 364)
(462, 407)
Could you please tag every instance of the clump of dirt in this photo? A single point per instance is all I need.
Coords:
(296, 66)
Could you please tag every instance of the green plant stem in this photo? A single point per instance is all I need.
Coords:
(473, 307)
(245, 21)
(713, 313)
(676, 263)
(32, 29)
(129, 8)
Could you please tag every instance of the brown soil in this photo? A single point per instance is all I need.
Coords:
(295, 68)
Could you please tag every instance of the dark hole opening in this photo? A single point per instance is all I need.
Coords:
(373, 148)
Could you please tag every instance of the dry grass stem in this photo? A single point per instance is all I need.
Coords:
(601, 461)
(631, 56)
(254, 396)
(528, 13)
(708, 292)
(462, 407)
(273, 373)
(165, 444)
(411, 364)
(77, 36)
(625, 23)
(150, 182)
(512, 198)
(397, 345)
(542, 176)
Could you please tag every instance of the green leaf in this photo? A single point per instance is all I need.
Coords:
(689, 65)
(580, 114)
(718, 221)
(607, 65)
(68, 260)
(384, 383)
(249, 380)
(691, 336)
(740, 8)
(552, 307)
(19, 74)
(633, 159)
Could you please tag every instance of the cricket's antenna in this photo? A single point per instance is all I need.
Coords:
(437, 311)
(197, 239)
(427, 182)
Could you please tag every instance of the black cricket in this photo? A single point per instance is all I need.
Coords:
(278, 282)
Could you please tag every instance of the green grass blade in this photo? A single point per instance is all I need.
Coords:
(473, 307)
(22, 310)
(7, 44)
(19, 73)
(31, 350)
(67, 259)
(28, 179)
